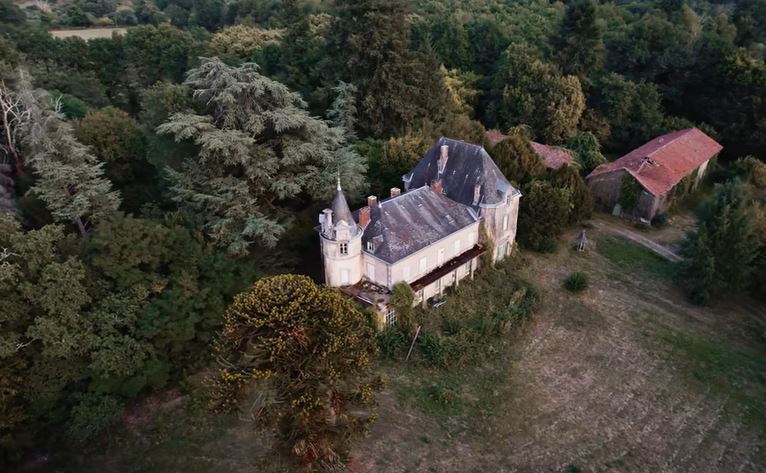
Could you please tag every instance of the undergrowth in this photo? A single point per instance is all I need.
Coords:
(468, 327)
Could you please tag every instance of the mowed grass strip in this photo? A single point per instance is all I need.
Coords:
(728, 370)
(628, 256)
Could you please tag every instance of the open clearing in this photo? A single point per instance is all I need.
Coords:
(88, 33)
(625, 377)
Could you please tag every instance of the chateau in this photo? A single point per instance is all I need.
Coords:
(429, 235)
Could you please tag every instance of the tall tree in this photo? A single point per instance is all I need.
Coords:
(372, 36)
(543, 215)
(721, 251)
(310, 349)
(535, 93)
(587, 151)
(118, 141)
(257, 146)
(577, 44)
(516, 158)
(580, 199)
(69, 178)
(632, 109)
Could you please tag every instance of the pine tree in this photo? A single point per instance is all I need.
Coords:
(257, 146)
(721, 252)
(578, 44)
(369, 40)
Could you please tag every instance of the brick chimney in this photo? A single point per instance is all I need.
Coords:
(436, 185)
(364, 216)
(372, 201)
(396, 192)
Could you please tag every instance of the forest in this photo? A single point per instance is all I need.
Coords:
(148, 178)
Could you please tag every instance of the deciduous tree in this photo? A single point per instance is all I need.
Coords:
(535, 93)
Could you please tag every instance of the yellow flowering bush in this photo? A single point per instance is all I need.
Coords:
(314, 348)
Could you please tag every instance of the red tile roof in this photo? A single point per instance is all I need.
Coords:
(661, 163)
(553, 156)
(494, 137)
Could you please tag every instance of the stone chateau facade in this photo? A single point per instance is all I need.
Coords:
(429, 235)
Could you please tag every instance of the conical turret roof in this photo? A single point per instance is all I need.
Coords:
(340, 209)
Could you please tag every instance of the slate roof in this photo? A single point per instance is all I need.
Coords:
(340, 209)
(553, 156)
(468, 165)
(661, 163)
(403, 225)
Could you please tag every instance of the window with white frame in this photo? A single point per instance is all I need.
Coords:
(440, 257)
(390, 316)
(345, 276)
(371, 272)
(505, 222)
(457, 247)
(471, 239)
(344, 248)
(369, 246)
(422, 265)
(406, 273)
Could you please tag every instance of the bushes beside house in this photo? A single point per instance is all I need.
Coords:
(470, 325)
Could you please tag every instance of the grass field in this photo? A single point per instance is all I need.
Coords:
(88, 33)
(626, 376)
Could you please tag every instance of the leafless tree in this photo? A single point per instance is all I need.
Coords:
(13, 117)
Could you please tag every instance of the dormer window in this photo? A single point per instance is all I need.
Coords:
(369, 246)
(344, 248)
(508, 199)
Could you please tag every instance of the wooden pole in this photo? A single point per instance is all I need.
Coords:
(412, 345)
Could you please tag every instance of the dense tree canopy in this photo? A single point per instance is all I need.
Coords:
(117, 152)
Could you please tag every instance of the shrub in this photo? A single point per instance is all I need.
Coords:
(402, 298)
(443, 395)
(750, 169)
(576, 282)
(93, 415)
(393, 343)
(433, 349)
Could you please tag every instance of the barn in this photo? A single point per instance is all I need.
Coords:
(647, 181)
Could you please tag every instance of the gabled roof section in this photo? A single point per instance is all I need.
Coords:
(405, 224)
(661, 163)
(553, 156)
(468, 164)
